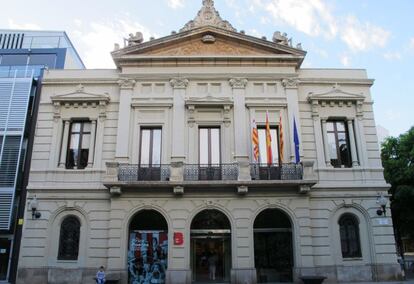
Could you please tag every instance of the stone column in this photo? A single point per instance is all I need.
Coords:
(354, 156)
(318, 135)
(124, 118)
(65, 141)
(55, 148)
(325, 143)
(92, 144)
(292, 97)
(360, 135)
(241, 154)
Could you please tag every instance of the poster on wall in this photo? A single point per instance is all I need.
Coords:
(147, 257)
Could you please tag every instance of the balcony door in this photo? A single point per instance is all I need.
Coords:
(209, 153)
(150, 154)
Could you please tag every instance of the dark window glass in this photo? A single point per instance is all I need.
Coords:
(14, 59)
(338, 144)
(69, 239)
(209, 146)
(150, 154)
(48, 60)
(78, 146)
(349, 234)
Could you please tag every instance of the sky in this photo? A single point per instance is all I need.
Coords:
(377, 35)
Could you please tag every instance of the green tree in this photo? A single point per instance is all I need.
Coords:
(397, 155)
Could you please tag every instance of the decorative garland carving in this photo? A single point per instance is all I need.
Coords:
(238, 83)
(179, 83)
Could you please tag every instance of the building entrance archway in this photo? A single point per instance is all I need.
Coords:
(210, 247)
(148, 248)
(273, 247)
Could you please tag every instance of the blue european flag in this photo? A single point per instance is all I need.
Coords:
(296, 140)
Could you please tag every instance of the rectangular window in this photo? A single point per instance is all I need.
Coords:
(78, 146)
(150, 154)
(209, 146)
(274, 133)
(338, 144)
(48, 60)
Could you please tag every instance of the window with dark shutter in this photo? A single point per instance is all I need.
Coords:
(78, 146)
(69, 239)
(349, 234)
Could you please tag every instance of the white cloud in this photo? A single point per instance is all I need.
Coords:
(391, 56)
(96, 40)
(311, 17)
(412, 43)
(345, 60)
(362, 37)
(25, 26)
(175, 3)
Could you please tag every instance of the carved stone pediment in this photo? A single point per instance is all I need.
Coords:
(336, 94)
(80, 96)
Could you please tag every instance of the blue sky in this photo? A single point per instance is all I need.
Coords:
(376, 35)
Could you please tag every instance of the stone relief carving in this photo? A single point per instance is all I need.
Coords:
(179, 83)
(290, 83)
(238, 83)
(208, 16)
(126, 83)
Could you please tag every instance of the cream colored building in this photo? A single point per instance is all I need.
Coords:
(148, 169)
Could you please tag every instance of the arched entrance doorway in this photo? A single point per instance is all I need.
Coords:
(148, 248)
(273, 252)
(210, 247)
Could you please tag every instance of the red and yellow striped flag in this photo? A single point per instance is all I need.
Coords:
(255, 140)
(281, 140)
(268, 141)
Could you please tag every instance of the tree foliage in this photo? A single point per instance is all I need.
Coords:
(398, 161)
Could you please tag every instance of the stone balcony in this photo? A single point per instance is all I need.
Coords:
(239, 177)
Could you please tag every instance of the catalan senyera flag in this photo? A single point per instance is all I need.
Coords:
(255, 141)
(268, 141)
(281, 140)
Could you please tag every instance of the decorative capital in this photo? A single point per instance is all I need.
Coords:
(126, 83)
(238, 83)
(179, 83)
(290, 83)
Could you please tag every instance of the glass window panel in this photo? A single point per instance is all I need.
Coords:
(156, 146)
(145, 147)
(14, 59)
(203, 144)
(341, 139)
(74, 141)
(83, 159)
(48, 60)
(76, 127)
(87, 126)
(275, 141)
(340, 126)
(215, 146)
(330, 126)
(45, 42)
(262, 145)
(332, 146)
(86, 140)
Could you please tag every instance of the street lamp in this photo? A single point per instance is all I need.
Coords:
(382, 202)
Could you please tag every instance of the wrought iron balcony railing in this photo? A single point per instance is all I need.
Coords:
(289, 171)
(132, 173)
(200, 172)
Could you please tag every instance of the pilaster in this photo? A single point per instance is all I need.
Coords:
(122, 140)
(179, 86)
(65, 141)
(354, 156)
(325, 143)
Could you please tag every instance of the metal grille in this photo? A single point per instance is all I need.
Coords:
(133, 173)
(11, 40)
(6, 204)
(211, 172)
(276, 172)
(9, 160)
(69, 239)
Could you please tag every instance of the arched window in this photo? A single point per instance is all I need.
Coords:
(349, 234)
(69, 239)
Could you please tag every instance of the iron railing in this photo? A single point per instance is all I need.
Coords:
(289, 171)
(196, 172)
(132, 173)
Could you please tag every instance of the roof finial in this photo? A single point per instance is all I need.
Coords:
(208, 16)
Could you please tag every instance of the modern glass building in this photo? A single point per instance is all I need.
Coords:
(24, 55)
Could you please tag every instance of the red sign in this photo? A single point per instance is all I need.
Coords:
(178, 239)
